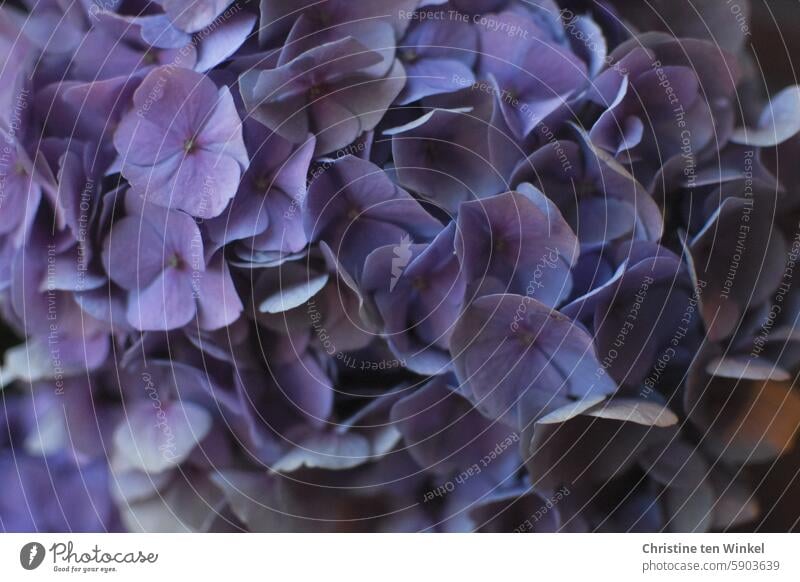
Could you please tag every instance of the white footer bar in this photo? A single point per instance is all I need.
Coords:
(397, 557)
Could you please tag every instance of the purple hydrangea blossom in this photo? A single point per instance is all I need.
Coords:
(158, 258)
(181, 145)
(353, 266)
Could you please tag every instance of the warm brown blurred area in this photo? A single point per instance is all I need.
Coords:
(778, 492)
(775, 43)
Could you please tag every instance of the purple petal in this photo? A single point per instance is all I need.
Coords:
(156, 439)
(546, 360)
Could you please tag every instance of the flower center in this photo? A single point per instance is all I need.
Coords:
(321, 16)
(315, 92)
(586, 188)
(431, 148)
(175, 261)
(409, 55)
(353, 213)
(189, 145)
(261, 183)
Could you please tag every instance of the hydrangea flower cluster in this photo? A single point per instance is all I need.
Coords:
(392, 265)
